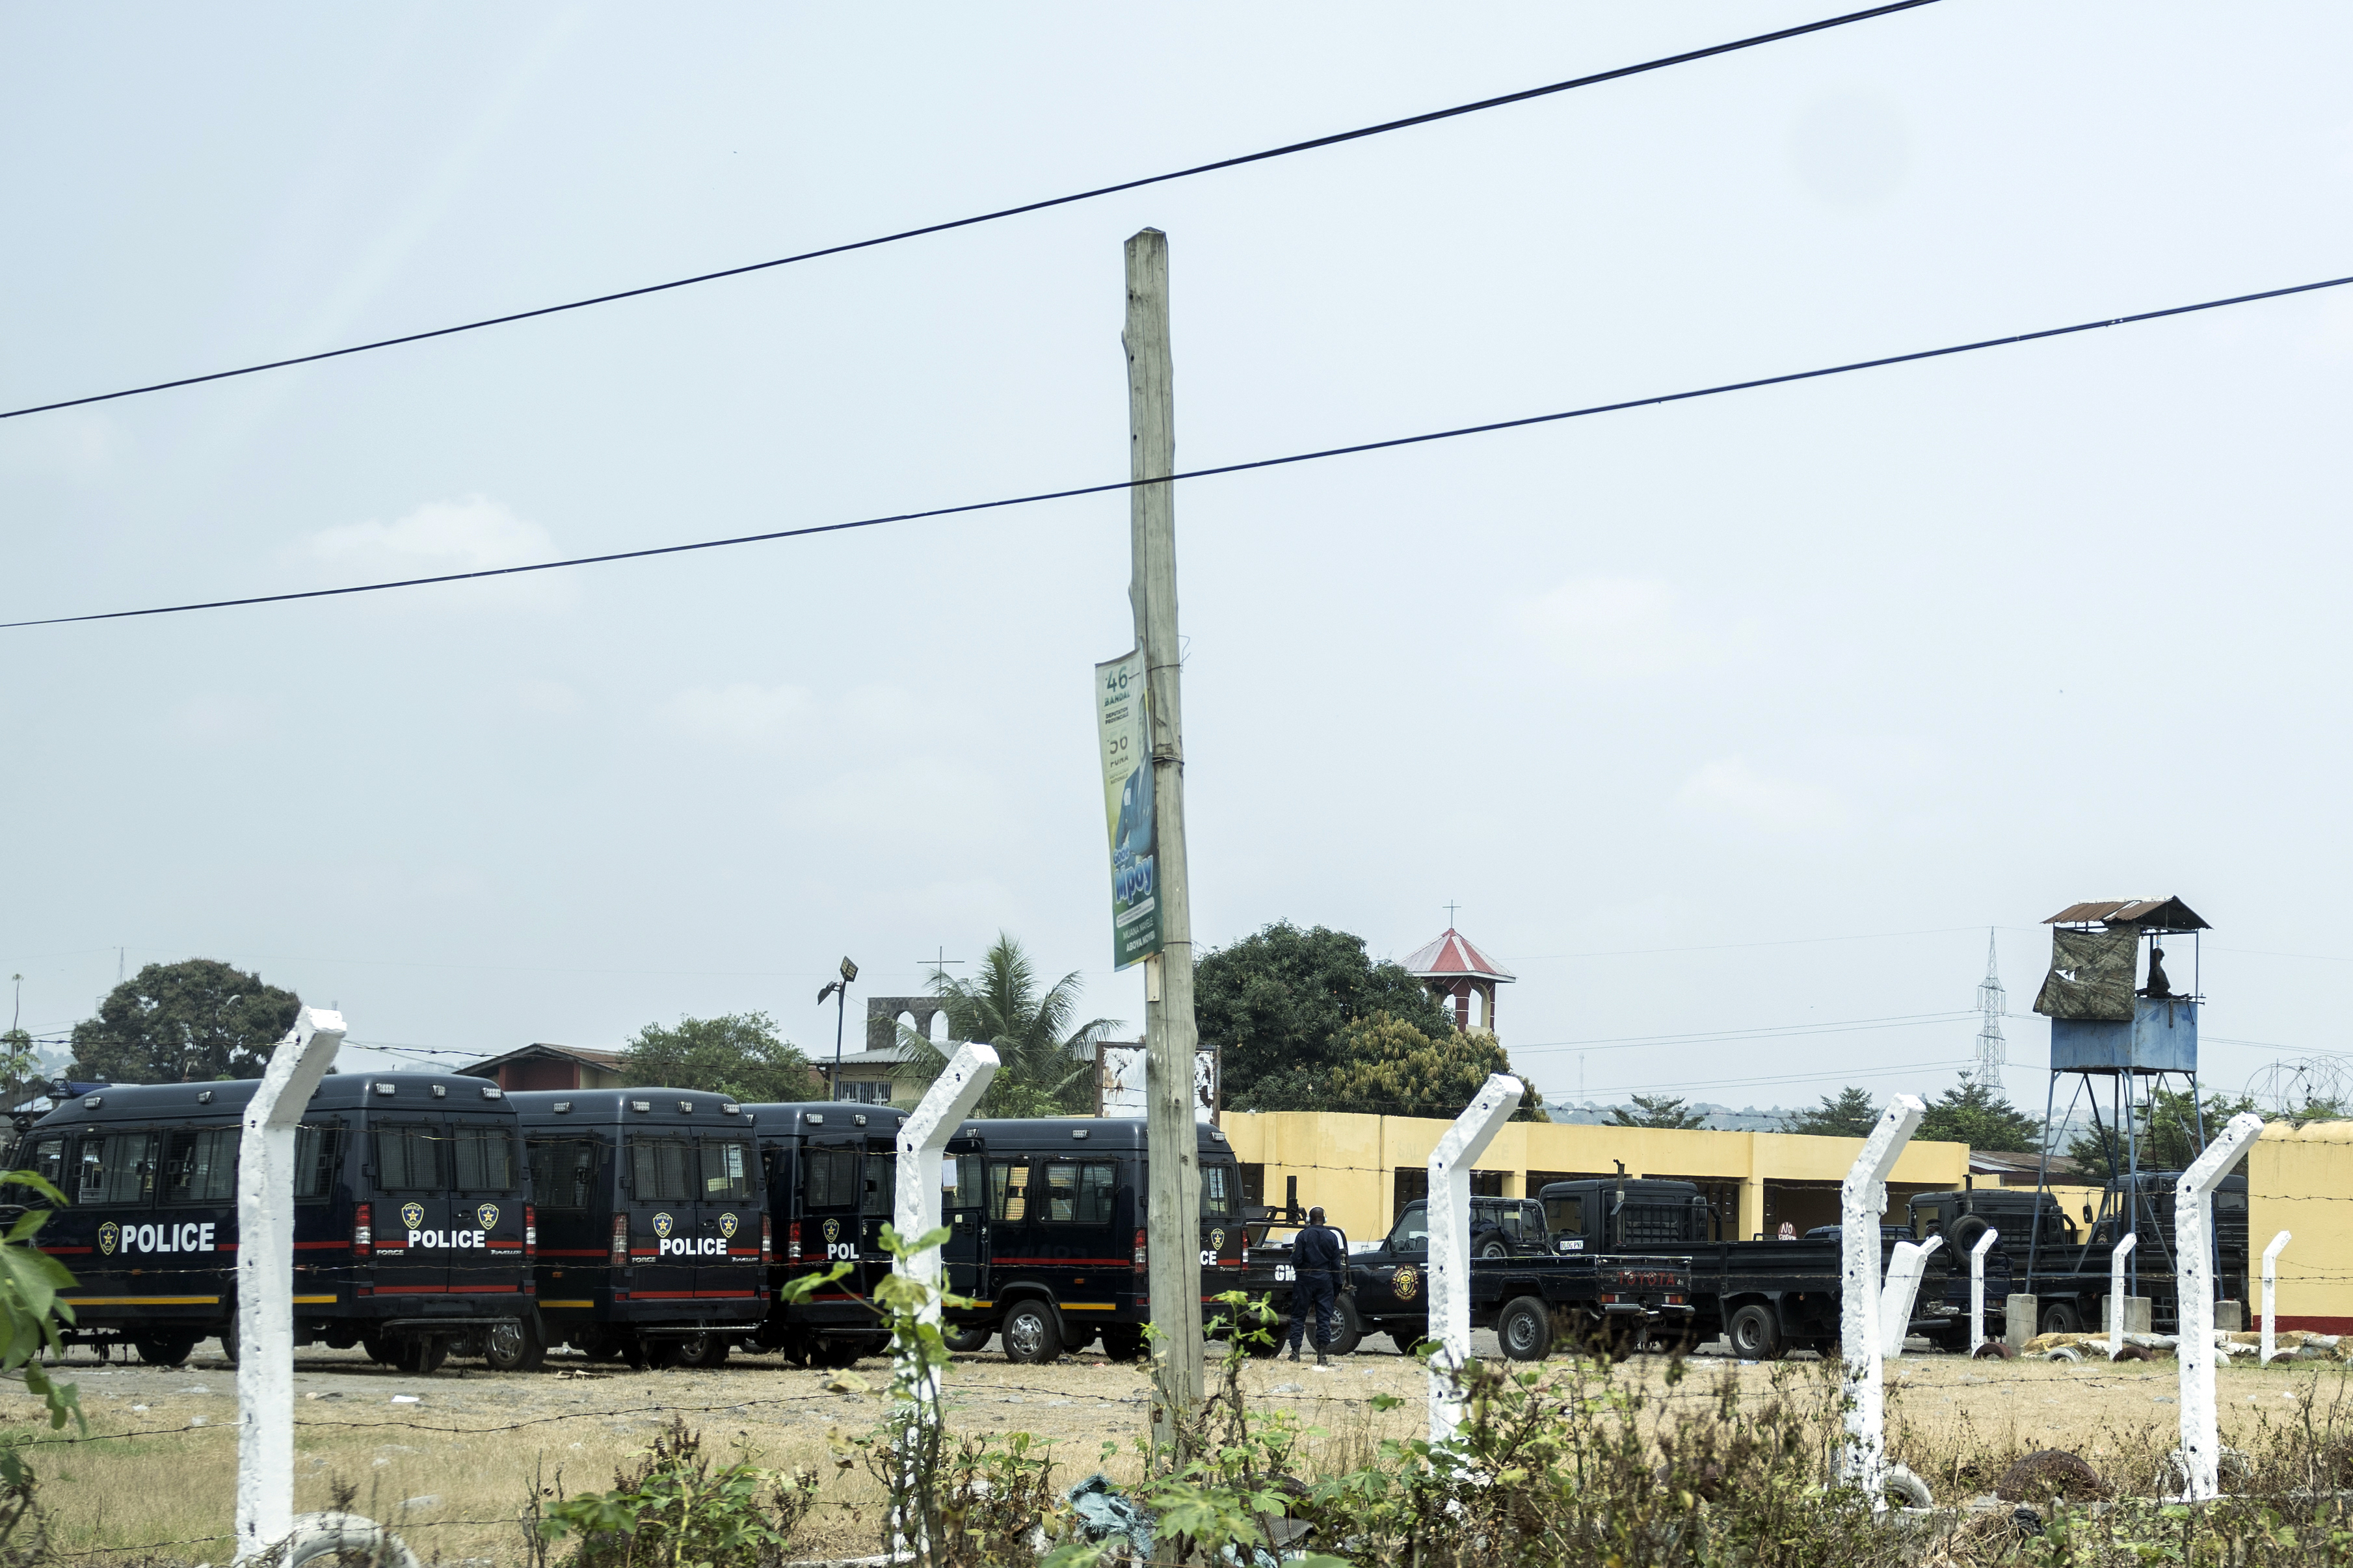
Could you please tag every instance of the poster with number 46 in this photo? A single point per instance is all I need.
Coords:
(1126, 745)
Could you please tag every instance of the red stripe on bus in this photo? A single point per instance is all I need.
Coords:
(1068, 1262)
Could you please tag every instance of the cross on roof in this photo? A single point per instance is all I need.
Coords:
(1450, 907)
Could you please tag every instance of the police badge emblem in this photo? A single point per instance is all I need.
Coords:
(489, 1215)
(662, 1225)
(1406, 1281)
(832, 1231)
(412, 1214)
(107, 1234)
(727, 1224)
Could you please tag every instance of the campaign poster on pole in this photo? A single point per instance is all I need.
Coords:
(1126, 745)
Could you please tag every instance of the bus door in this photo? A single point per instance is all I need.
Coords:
(568, 1180)
(662, 1214)
(113, 1179)
(412, 1213)
(486, 1199)
(828, 1212)
(1224, 1240)
(727, 1218)
(1076, 1204)
(879, 1202)
(198, 1206)
(964, 1209)
(1012, 1246)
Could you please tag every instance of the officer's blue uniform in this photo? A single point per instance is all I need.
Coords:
(1319, 1261)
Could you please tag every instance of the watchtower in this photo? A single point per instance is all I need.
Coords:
(1459, 974)
(2121, 1041)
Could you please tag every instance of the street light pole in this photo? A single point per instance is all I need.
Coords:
(839, 989)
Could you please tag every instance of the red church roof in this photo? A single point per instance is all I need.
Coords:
(1451, 955)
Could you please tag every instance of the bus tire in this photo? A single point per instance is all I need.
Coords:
(422, 1356)
(515, 1344)
(1121, 1342)
(965, 1338)
(1031, 1336)
(1753, 1334)
(330, 1538)
(229, 1339)
(835, 1353)
(163, 1350)
(1524, 1329)
(704, 1350)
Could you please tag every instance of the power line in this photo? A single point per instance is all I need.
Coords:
(1119, 485)
(1333, 140)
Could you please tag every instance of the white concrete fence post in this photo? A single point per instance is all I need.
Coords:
(1901, 1289)
(915, 1206)
(2193, 1224)
(2124, 1250)
(2271, 1293)
(1977, 1287)
(1449, 1245)
(265, 1281)
(1863, 1198)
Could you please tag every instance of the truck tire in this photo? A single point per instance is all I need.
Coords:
(1524, 1329)
(1962, 1238)
(331, 1538)
(163, 1350)
(515, 1344)
(1121, 1342)
(2060, 1318)
(1754, 1333)
(965, 1338)
(1030, 1336)
(1348, 1328)
(1405, 1336)
(1493, 1245)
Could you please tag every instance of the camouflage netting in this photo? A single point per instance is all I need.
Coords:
(2091, 974)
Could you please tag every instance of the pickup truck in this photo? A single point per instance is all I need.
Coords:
(1531, 1300)
(1767, 1298)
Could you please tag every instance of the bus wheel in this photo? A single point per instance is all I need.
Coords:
(228, 1338)
(1030, 1337)
(838, 1353)
(699, 1350)
(163, 1350)
(1122, 1342)
(422, 1356)
(966, 1338)
(513, 1344)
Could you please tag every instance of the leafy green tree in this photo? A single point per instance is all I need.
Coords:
(740, 1055)
(1274, 1004)
(1388, 1068)
(189, 1022)
(1851, 1114)
(1981, 1116)
(2164, 1133)
(1046, 1061)
(1657, 1110)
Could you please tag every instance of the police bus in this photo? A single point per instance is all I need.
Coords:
(1047, 1233)
(413, 1226)
(832, 1178)
(656, 1235)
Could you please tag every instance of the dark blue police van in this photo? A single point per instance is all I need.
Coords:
(832, 1171)
(413, 1225)
(654, 1215)
(1047, 1233)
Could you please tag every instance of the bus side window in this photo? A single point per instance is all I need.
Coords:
(46, 1158)
(408, 1158)
(318, 1160)
(563, 1171)
(1008, 1191)
(117, 1168)
(657, 1170)
(200, 1167)
(960, 1176)
(726, 1173)
(882, 1183)
(1565, 1216)
(1216, 1192)
(830, 1179)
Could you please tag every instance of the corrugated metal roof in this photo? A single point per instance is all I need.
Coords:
(1452, 955)
(2160, 914)
(610, 1061)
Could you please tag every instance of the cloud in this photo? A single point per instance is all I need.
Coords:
(765, 717)
(474, 535)
(1621, 627)
(1730, 788)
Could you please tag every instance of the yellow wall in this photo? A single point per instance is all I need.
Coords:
(2300, 1179)
(1347, 1163)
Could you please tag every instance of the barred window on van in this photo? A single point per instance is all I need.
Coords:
(1008, 1191)
(960, 1178)
(117, 1168)
(485, 1158)
(830, 1179)
(408, 1158)
(728, 1171)
(200, 1167)
(46, 1158)
(1080, 1194)
(882, 1183)
(1218, 1192)
(563, 1172)
(318, 1157)
(658, 1170)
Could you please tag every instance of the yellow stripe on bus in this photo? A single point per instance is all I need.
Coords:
(141, 1300)
(314, 1301)
(544, 1305)
(1089, 1306)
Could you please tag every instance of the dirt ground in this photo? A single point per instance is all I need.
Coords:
(451, 1459)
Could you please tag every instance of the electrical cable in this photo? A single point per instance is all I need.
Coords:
(1333, 140)
(1351, 450)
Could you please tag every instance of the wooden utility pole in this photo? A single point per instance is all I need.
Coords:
(1170, 1037)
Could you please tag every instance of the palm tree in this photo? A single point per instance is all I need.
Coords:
(1045, 1064)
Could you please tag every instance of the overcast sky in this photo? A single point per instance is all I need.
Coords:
(1731, 715)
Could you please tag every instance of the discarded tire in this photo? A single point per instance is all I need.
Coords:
(2132, 1352)
(1995, 1350)
(2049, 1473)
(1905, 1489)
(343, 1538)
(2062, 1353)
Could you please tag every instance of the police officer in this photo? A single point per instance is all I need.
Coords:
(1318, 1258)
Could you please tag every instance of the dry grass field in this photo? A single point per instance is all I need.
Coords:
(454, 1467)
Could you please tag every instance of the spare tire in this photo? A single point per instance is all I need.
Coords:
(1962, 1238)
(327, 1538)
